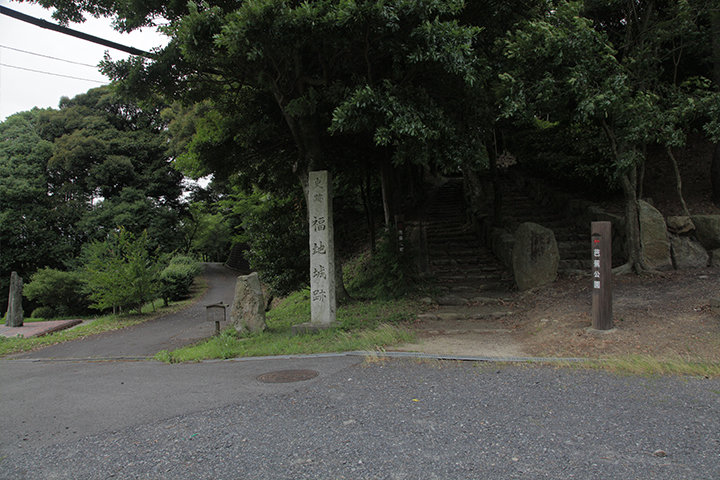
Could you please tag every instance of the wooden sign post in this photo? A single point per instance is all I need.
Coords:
(601, 248)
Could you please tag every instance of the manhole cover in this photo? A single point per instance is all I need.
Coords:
(287, 376)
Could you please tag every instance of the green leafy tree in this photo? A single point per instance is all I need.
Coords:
(31, 233)
(565, 66)
(277, 231)
(120, 272)
(60, 292)
(207, 234)
(72, 175)
(111, 168)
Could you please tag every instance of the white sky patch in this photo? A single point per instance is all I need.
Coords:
(23, 87)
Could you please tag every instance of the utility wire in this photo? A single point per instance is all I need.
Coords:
(74, 33)
(53, 74)
(48, 56)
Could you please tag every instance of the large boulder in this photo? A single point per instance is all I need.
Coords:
(688, 254)
(707, 230)
(248, 310)
(535, 256)
(654, 237)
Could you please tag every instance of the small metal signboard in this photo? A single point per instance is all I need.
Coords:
(601, 247)
(216, 313)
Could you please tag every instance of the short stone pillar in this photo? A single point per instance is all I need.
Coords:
(322, 254)
(14, 316)
(248, 309)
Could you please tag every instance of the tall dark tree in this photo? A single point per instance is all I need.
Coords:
(30, 236)
(608, 72)
(395, 70)
(111, 168)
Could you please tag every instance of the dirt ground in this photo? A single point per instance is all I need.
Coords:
(667, 317)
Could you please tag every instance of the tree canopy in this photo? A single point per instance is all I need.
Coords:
(267, 90)
(73, 175)
(291, 82)
(616, 68)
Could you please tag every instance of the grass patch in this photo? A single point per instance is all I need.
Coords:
(363, 325)
(101, 324)
(650, 366)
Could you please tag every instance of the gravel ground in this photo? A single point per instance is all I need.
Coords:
(405, 419)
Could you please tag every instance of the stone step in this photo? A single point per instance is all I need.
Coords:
(456, 240)
(458, 260)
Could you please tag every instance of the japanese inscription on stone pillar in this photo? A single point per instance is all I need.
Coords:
(322, 249)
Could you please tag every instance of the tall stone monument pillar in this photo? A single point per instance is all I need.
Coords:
(322, 254)
(322, 248)
(14, 316)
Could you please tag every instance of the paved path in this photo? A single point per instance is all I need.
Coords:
(164, 333)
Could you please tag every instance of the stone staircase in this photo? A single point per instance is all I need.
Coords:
(465, 270)
(573, 245)
(475, 289)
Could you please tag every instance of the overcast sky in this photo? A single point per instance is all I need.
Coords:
(21, 89)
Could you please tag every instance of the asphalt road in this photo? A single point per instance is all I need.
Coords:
(399, 419)
(164, 333)
(395, 419)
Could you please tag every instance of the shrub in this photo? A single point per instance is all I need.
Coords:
(277, 232)
(120, 272)
(43, 312)
(59, 292)
(387, 273)
(177, 278)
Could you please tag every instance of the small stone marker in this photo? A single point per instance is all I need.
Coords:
(14, 316)
(216, 313)
(322, 254)
(601, 245)
(248, 310)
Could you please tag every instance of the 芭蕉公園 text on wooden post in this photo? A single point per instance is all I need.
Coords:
(322, 249)
(601, 247)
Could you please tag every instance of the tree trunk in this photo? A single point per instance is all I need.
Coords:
(715, 174)
(388, 190)
(633, 245)
(629, 183)
(497, 190)
(633, 241)
(641, 174)
(678, 181)
(306, 133)
(365, 190)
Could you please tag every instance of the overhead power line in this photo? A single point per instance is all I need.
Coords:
(48, 56)
(53, 74)
(74, 33)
